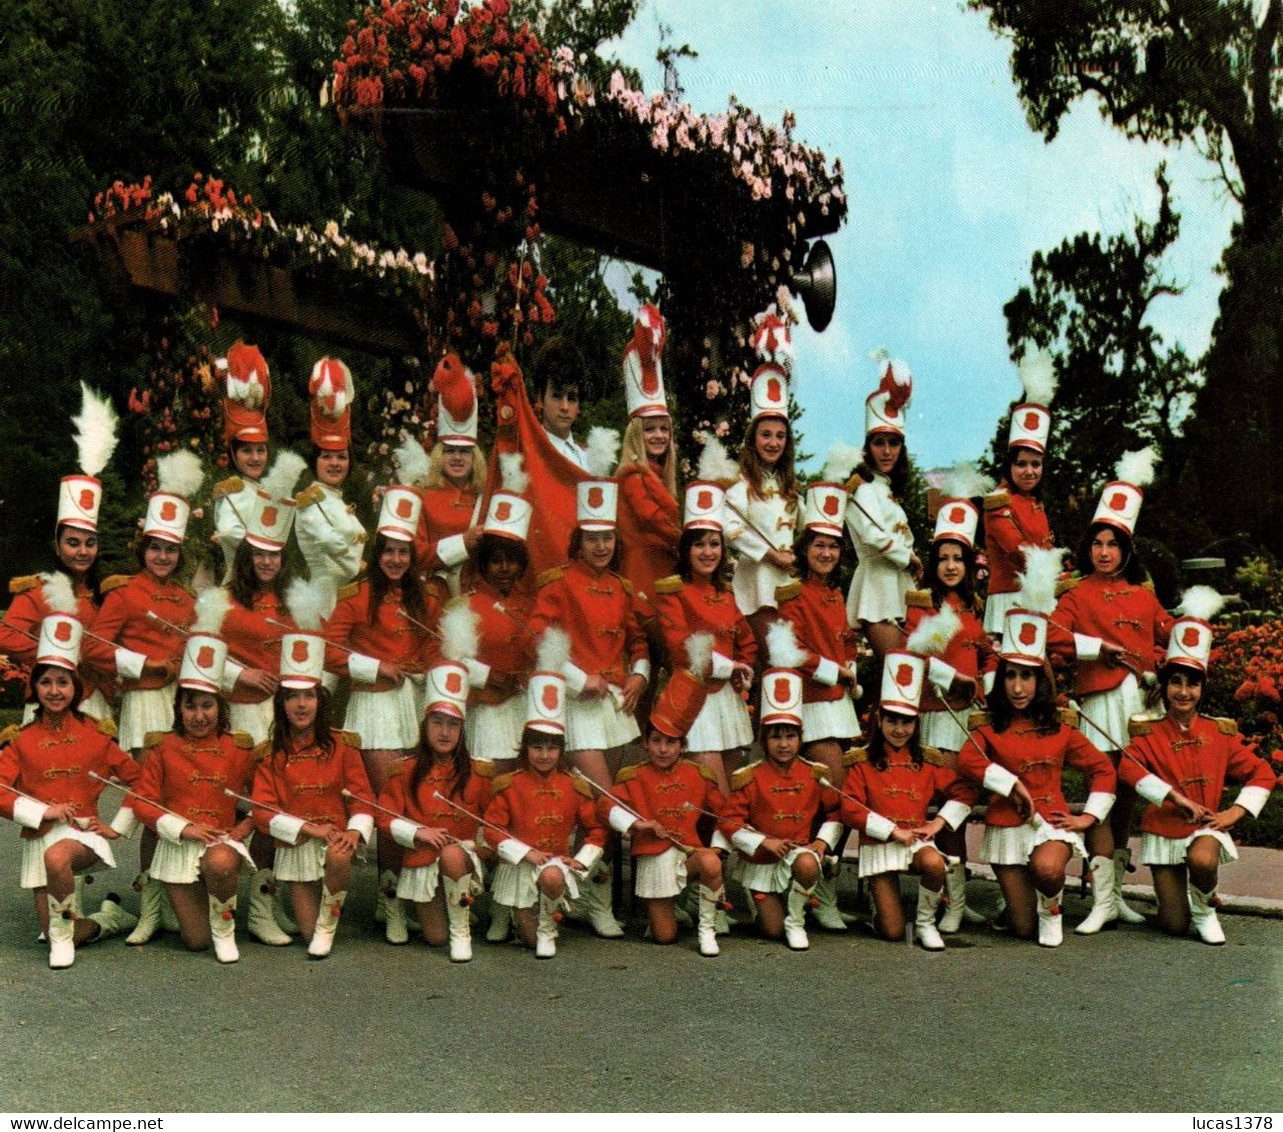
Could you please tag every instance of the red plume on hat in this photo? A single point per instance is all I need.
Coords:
(897, 384)
(455, 386)
(772, 340)
(648, 340)
(249, 392)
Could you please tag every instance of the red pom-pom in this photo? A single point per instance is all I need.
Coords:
(557, 917)
(813, 902)
(228, 914)
(759, 896)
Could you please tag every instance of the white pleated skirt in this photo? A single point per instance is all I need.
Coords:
(1013, 845)
(829, 719)
(877, 591)
(1112, 711)
(723, 723)
(996, 606)
(419, 885)
(878, 857)
(32, 873)
(776, 876)
(939, 730)
(659, 876)
(494, 731)
(754, 585)
(302, 862)
(179, 862)
(517, 887)
(1156, 850)
(254, 719)
(144, 710)
(385, 721)
(598, 725)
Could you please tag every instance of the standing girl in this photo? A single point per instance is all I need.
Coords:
(249, 392)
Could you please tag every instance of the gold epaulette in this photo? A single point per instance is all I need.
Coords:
(671, 585)
(787, 591)
(855, 755)
(977, 720)
(350, 590)
(744, 775)
(398, 768)
(1068, 716)
(584, 788)
(243, 739)
(919, 599)
(190, 591)
(626, 773)
(262, 750)
(230, 486)
(9, 734)
(819, 771)
(628, 586)
(706, 773)
(351, 738)
(552, 574)
(24, 583)
(1139, 725)
(997, 500)
(107, 727)
(153, 738)
(483, 768)
(309, 495)
(1227, 726)
(854, 482)
(1064, 585)
(933, 757)
(1148, 584)
(115, 582)
(501, 783)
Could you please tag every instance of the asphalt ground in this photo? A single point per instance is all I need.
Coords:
(1128, 1020)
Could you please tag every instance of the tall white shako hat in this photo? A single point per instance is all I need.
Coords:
(884, 408)
(399, 513)
(1024, 638)
(456, 402)
(957, 520)
(902, 677)
(1119, 504)
(643, 365)
(546, 702)
(772, 341)
(1031, 419)
(446, 689)
(203, 660)
(302, 660)
(508, 513)
(825, 508)
(248, 393)
(59, 643)
(596, 503)
(704, 506)
(179, 475)
(781, 697)
(332, 391)
(1190, 642)
(269, 522)
(80, 495)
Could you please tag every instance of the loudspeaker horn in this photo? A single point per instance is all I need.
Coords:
(817, 283)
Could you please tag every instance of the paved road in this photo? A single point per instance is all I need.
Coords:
(1128, 1020)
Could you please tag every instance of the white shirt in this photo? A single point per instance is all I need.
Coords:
(570, 448)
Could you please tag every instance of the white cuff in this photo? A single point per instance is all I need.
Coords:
(954, 813)
(827, 672)
(875, 825)
(723, 667)
(171, 826)
(1252, 798)
(588, 854)
(1087, 648)
(478, 673)
(620, 819)
(1099, 804)
(718, 841)
(452, 551)
(129, 664)
(362, 669)
(999, 780)
(831, 833)
(940, 674)
(363, 824)
(1153, 789)
(512, 850)
(403, 832)
(286, 828)
(231, 673)
(125, 822)
(747, 841)
(29, 813)
(575, 676)
(641, 667)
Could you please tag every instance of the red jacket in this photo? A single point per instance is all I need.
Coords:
(447, 511)
(661, 795)
(27, 609)
(123, 619)
(902, 793)
(189, 776)
(307, 783)
(1012, 520)
(784, 802)
(700, 607)
(504, 644)
(391, 637)
(543, 811)
(970, 651)
(649, 528)
(1113, 610)
(252, 641)
(818, 616)
(424, 809)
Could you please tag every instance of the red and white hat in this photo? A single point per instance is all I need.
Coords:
(769, 393)
(59, 644)
(249, 392)
(781, 697)
(957, 520)
(203, 660)
(399, 513)
(508, 514)
(678, 704)
(269, 522)
(596, 504)
(80, 495)
(643, 365)
(456, 402)
(825, 509)
(1024, 638)
(902, 677)
(302, 660)
(79, 498)
(546, 702)
(1119, 506)
(704, 506)
(1031, 420)
(1030, 428)
(884, 409)
(1190, 643)
(167, 516)
(332, 391)
(446, 689)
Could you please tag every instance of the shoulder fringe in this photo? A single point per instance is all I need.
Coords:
(1139, 725)
(24, 583)
(628, 586)
(350, 590)
(397, 768)
(919, 599)
(933, 757)
(262, 750)
(855, 482)
(552, 574)
(855, 755)
(243, 739)
(153, 738)
(501, 783)
(627, 774)
(9, 734)
(107, 727)
(787, 591)
(483, 768)
(744, 775)
(1064, 585)
(670, 585)
(309, 496)
(706, 773)
(230, 486)
(351, 738)
(584, 788)
(819, 772)
(1227, 726)
(977, 720)
(1068, 716)
(115, 582)
(997, 500)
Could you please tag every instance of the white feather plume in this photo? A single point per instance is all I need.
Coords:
(95, 431)
(715, 465)
(310, 603)
(283, 475)
(1038, 579)
(1202, 602)
(840, 462)
(411, 461)
(933, 634)
(1137, 468)
(459, 638)
(553, 650)
(512, 473)
(180, 473)
(603, 451)
(59, 595)
(1037, 371)
(965, 481)
(211, 609)
(782, 646)
(699, 653)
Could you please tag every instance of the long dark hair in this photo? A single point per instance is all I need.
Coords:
(577, 544)
(412, 596)
(77, 683)
(1133, 569)
(224, 712)
(244, 586)
(899, 473)
(803, 567)
(754, 471)
(531, 735)
(721, 578)
(1042, 710)
(878, 745)
(424, 758)
(966, 589)
(1009, 462)
(281, 725)
(92, 579)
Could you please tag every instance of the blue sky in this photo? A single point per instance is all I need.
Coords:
(950, 194)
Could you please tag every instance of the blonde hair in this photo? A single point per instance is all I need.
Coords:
(436, 476)
(632, 452)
